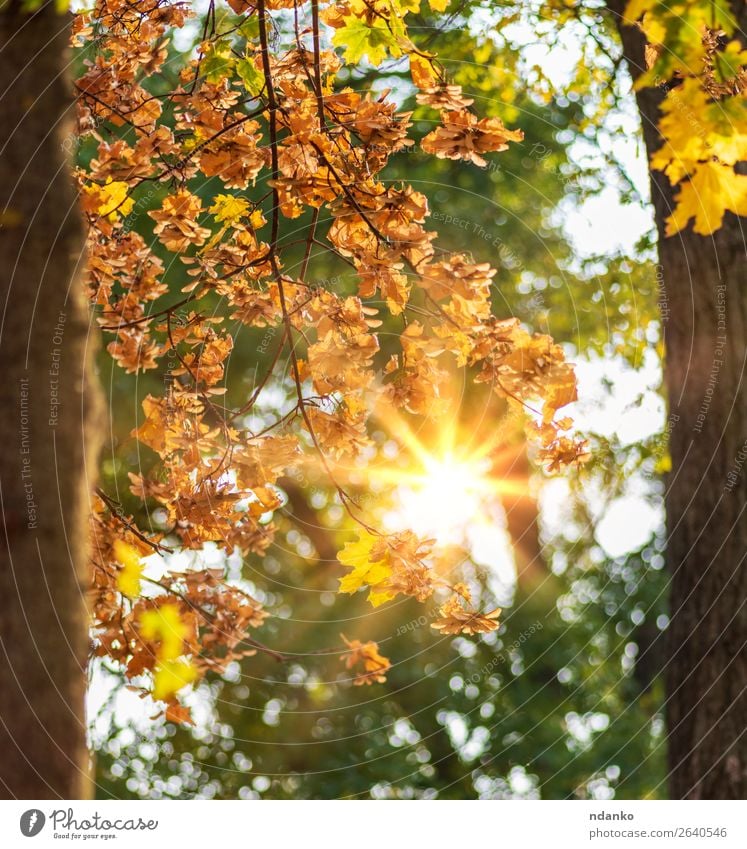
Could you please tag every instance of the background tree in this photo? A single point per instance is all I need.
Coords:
(705, 337)
(49, 446)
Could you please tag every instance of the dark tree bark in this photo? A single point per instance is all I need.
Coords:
(705, 330)
(44, 419)
(522, 517)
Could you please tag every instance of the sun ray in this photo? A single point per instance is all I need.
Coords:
(443, 483)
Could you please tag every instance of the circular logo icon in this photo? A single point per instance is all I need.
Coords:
(32, 822)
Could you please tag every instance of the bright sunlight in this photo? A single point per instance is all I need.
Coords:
(446, 497)
(441, 487)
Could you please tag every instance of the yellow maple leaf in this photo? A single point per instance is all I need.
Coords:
(165, 625)
(683, 129)
(713, 190)
(422, 72)
(170, 676)
(378, 597)
(229, 209)
(128, 577)
(257, 219)
(727, 134)
(111, 199)
(366, 571)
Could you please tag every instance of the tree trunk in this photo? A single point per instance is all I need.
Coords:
(704, 312)
(522, 517)
(44, 432)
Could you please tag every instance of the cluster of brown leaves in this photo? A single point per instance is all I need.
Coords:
(458, 616)
(282, 115)
(192, 622)
(365, 655)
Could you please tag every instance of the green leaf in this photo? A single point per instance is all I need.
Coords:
(250, 75)
(359, 40)
(250, 28)
(218, 63)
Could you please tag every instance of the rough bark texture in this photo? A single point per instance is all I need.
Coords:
(705, 328)
(43, 487)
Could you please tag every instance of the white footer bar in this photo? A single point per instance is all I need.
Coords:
(375, 824)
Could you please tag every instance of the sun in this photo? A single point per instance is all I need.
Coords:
(439, 485)
(446, 497)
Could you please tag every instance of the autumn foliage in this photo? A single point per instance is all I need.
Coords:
(263, 102)
(695, 55)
